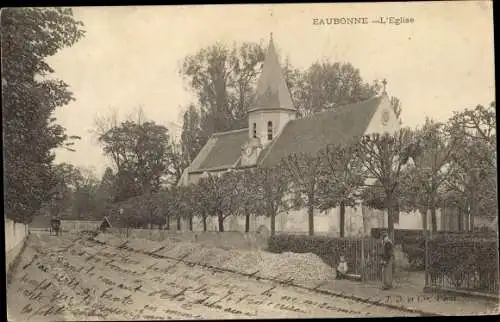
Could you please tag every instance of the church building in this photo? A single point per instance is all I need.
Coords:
(274, 131)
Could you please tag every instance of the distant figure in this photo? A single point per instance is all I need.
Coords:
(387, 262)
(341, 269)
(105, 224)
(55, 226)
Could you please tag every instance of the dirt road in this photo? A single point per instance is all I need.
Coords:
(76, 278)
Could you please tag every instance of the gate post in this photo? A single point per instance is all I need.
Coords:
(363, 268)
(426, 250)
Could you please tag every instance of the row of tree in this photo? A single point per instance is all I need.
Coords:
(439, 165)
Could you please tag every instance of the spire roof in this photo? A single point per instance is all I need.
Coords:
(272, 91)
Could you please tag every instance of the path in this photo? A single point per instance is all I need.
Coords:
(74, 278)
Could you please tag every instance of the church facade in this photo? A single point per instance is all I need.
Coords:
(274, 131)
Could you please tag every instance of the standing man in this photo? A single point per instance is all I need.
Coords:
(387, 262)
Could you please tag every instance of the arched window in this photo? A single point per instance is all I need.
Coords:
(255, 130)
(269, 130)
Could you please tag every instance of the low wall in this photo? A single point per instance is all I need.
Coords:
(79, 225)
(15, 235)
(228, 239)
(358, 221)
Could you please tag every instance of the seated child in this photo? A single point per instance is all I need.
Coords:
(341, 268)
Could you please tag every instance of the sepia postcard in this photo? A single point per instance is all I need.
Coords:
(250, 161)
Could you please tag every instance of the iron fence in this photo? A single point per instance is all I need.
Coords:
(362, 255)
(463, 264)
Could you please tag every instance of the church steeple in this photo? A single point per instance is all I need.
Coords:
(272, 91)
(272, 110)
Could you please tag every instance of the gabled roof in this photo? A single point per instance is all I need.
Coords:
(272, 91)
(306, 135)
(222, 150)
(331, 127)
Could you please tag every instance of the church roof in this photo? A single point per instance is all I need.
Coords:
(305, 135)
(312, 133)
(272, 90)
(223, 150)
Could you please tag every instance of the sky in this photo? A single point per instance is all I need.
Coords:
(130, 56)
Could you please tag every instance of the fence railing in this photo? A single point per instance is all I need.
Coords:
(480, 282)
(362, 255)
(463, 264)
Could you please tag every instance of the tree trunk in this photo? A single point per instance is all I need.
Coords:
(204, 223)
(460, 219)
(342, 219)
(433, 219)
(390, 219)
(310, 213)
(168, 223)
(247, 223)
(472, 210)
(190, 223)
(426, 250)
(423, 213)
(179, 223)
(273, 223)
(220, 219)
(424, 219)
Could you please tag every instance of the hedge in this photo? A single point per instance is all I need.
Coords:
(329, 249)
(413, 241)
(402, 236)
(464, 262)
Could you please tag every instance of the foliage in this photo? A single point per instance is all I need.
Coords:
(327, 85)
(472, 185)
(268, 196)
(170, 202)
(249, 194)
(384, 157)
(177, 162)
(340, 179)
(200, 206)
(29, 97)
(223, 193)
(430, 168)
(139, 150)
(77, 194)
(223, 79)
(341, 176)
(303, 171)
(193, 137)
(467, 262)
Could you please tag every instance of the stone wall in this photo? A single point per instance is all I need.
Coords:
(358, 222)
(79, 225)
(15, 235)
(228, 239)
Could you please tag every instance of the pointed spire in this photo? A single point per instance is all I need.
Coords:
(272, 90)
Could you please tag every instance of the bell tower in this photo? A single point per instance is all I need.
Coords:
(273, 107)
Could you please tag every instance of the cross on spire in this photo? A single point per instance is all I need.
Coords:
(384, 83)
